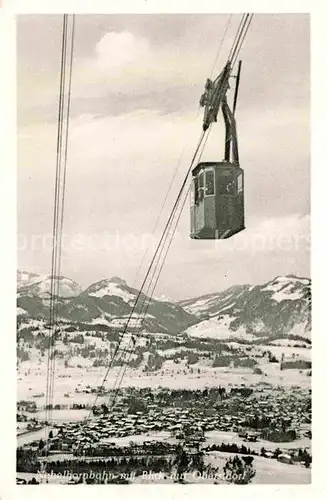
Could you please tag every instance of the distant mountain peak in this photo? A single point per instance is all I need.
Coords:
(290, 277)
(39, 285)
(117, 280)
(282, 306)
(164, 298)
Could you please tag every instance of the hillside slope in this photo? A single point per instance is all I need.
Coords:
(278, 308)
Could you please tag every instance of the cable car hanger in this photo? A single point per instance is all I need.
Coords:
(216, 90)
(213, 98)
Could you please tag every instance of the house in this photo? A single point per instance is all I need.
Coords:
(192, 446)
(285, 458)
(252, 438)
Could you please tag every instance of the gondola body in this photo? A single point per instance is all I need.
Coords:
(217, 200)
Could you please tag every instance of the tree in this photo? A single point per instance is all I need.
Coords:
(155, 362)
(136, 405)
(192, 358)
(78, 339)
(221, 361)
(182, 462)
(33, 481)
(239, 470)
(105, 409)
(272, 358)
(222, 391)
(198, 461)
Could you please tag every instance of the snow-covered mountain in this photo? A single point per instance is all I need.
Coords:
(114, 286)
(34, 292)
(110, 302)
(31, 284)
(24, 279)
(278, 308)
(163, 298)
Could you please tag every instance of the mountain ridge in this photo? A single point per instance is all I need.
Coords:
(282, 306)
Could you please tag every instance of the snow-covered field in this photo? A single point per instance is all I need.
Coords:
(217, 437)
(268, 471)
(35, 381)
(214, 328)
(32, 377)
(289, 343)
(62, 415)
(32, 436)
(141, 438)
(278, 351)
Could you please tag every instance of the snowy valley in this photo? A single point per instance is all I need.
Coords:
(244, 334)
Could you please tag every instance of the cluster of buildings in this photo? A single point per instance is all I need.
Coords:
(248, 416)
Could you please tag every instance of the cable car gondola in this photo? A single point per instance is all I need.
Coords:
(217, 189)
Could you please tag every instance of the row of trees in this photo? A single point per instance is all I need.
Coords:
(299, 456)
(236, 470)
(231, 448)
(238, 362)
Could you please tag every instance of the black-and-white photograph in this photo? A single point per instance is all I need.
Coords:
(163, 249)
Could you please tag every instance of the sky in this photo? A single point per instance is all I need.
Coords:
(135, 122)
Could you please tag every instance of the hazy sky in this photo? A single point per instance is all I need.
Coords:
(136, 85)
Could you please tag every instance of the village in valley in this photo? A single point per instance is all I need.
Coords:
(206, 399)
(151, 425)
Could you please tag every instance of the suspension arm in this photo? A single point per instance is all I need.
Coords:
(214, 93)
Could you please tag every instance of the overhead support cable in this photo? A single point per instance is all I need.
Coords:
(152, 265)
(153, 284)
(221, 44)
(68, 33)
